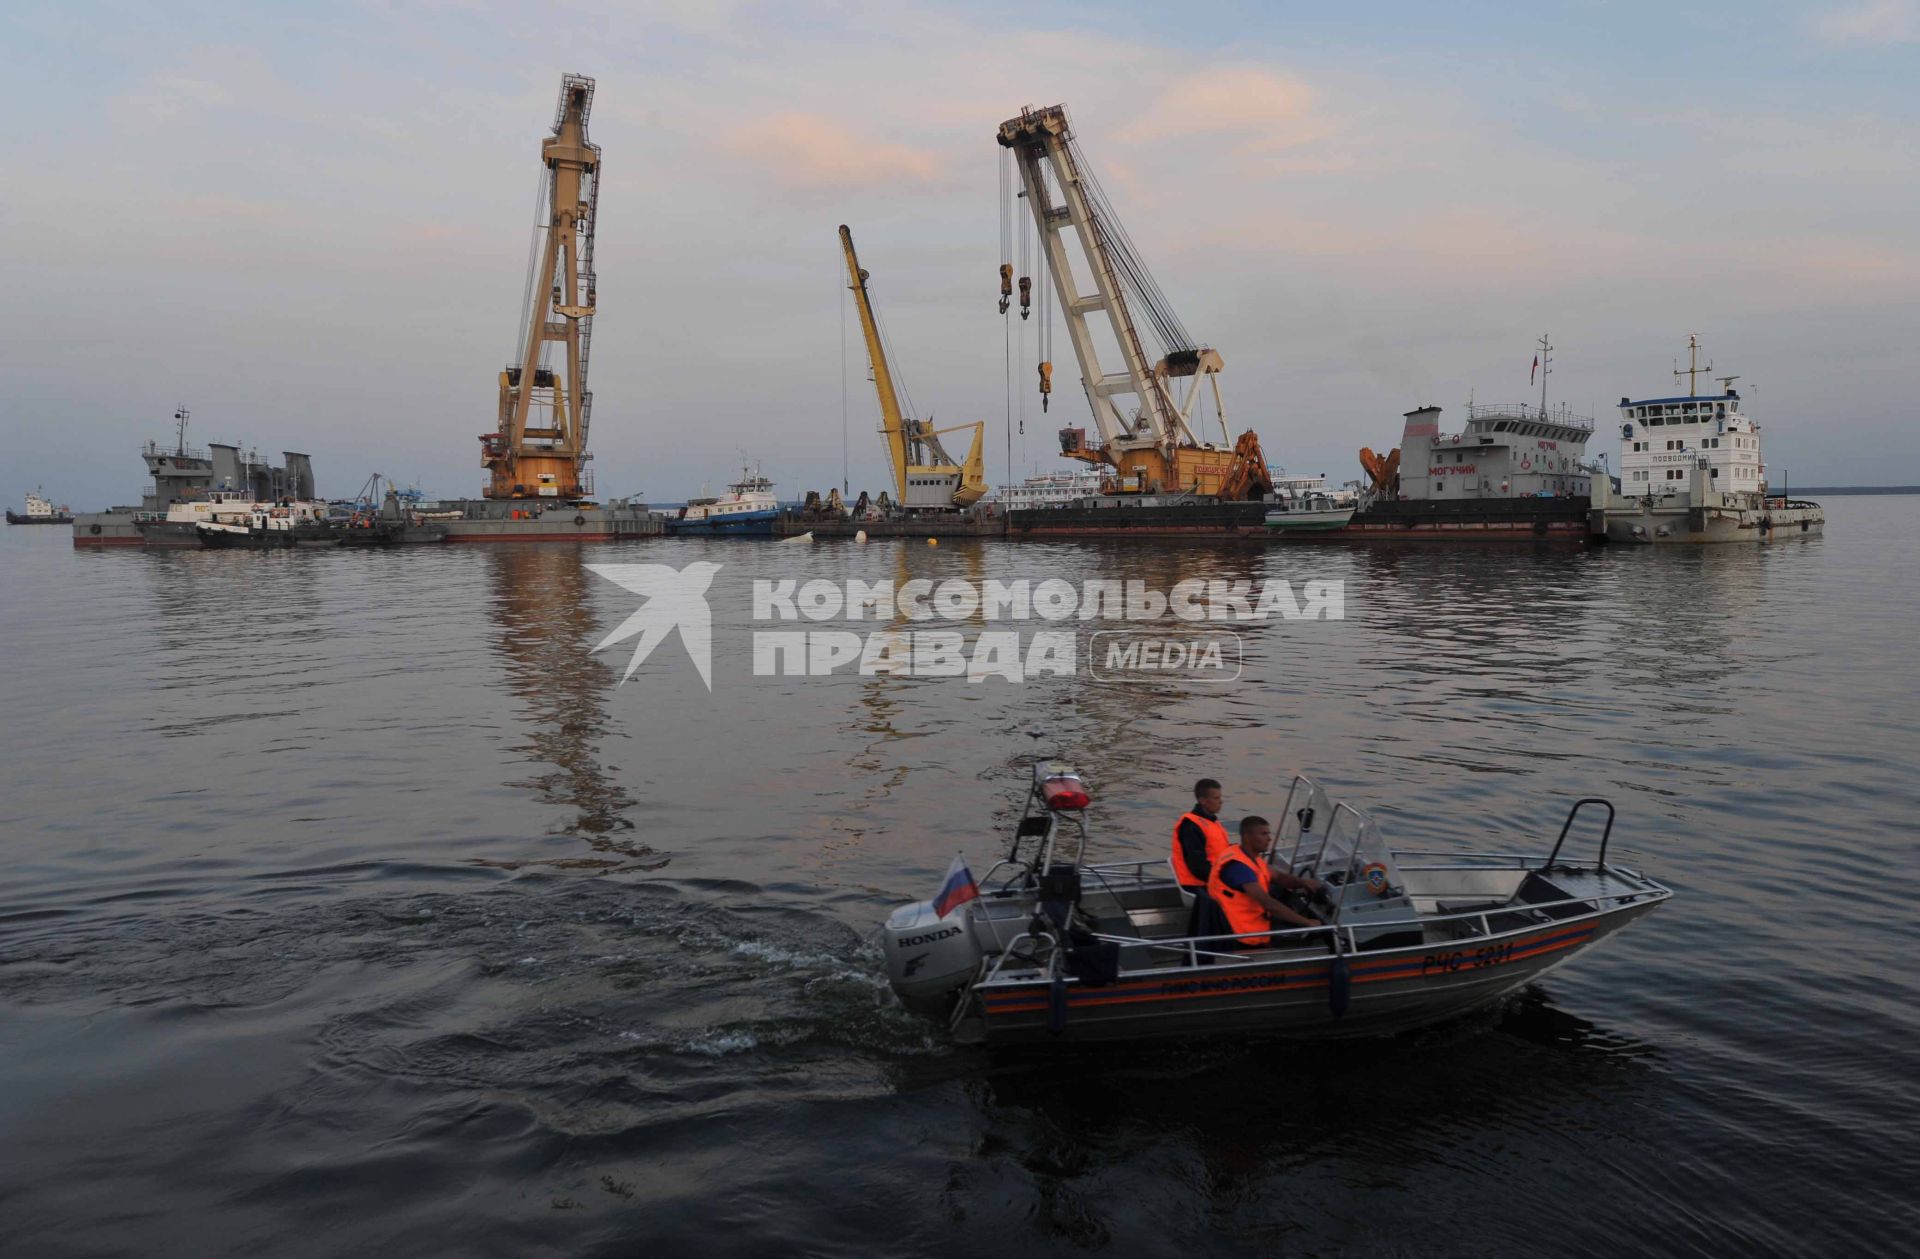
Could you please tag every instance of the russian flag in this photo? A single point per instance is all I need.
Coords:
(957, 890)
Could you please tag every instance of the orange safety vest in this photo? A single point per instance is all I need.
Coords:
(1246, 917)
(1217, 842)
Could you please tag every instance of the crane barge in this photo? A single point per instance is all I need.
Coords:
(925, 476)
(539, 483)
(1146, 423)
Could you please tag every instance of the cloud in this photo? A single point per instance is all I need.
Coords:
(167, 98)
(1266, 112)
(809, 152)
(1875, 22)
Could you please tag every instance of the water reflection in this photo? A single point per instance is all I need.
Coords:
(539, 603)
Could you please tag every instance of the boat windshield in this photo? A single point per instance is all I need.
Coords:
(1354, 849)
(1303, 823)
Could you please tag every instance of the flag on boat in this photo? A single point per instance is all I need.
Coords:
(1536, 369)
(957, 890)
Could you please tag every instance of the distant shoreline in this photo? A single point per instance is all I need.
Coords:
(1796, 491)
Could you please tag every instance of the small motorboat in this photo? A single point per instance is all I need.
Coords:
(1053, 947)
(1308, 513)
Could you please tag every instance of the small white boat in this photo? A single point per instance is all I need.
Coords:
(1308, 513)
(1053, 947)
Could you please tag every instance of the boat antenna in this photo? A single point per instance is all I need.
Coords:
(180, 417)
(1726, 383)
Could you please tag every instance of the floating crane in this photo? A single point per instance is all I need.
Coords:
(539, 449)
(925, 476)
(1150, 441)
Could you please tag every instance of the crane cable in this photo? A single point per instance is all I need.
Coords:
(533, 265)
(1007, 210)
(1126, 257)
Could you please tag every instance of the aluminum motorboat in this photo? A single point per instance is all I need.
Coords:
(1052, 947)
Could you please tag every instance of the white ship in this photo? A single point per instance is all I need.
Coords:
(1050, 489)
(1691, 471)
(41, 511)
(748, 509)
(230, 518)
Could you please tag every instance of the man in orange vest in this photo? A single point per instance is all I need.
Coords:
(1198, 838)
(1242, 885)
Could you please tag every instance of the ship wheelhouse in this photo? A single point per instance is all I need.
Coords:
(1663, 441)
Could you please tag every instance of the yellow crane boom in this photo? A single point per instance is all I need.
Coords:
(924, 475)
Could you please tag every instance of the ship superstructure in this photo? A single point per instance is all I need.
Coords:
(1505, 451)
(185, 474)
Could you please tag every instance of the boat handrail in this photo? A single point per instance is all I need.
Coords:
(1000, 960)
(1191, 945)
(1605, 834)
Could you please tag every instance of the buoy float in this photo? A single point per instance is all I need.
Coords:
(860, 535)
(933, 542)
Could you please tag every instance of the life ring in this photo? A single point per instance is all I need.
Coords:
(579, 519)
(1526, 463)
(93, 528)
(1374, 875)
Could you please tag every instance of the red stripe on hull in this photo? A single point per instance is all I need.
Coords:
(1365, 973)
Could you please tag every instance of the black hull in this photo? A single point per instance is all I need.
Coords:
(15, 519)
(280, 540)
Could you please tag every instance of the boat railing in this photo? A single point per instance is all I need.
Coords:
(1528, 413)
(1192, 948)
(177, 452)
(1606, 832)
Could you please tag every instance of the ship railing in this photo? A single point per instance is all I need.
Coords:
(1529, 413)
(177, 452)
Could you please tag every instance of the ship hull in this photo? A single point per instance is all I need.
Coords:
(742, 525)
(1466, 520)
(1690, 526)
(481, 520)
(14, 518)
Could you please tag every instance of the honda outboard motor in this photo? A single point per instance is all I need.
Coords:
(929, 958)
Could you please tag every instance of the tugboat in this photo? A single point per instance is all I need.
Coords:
(1690, 471)
(40, 511)
(228, 519)
(747, 510)
(1050, 947)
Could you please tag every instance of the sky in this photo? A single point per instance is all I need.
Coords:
(309, 224)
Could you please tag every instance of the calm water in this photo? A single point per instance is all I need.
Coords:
(350, 907)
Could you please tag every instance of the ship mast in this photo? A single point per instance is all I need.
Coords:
(1693, 365)
(1545, 370)
(180, 417)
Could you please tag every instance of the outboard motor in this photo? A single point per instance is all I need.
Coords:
(929, 958)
